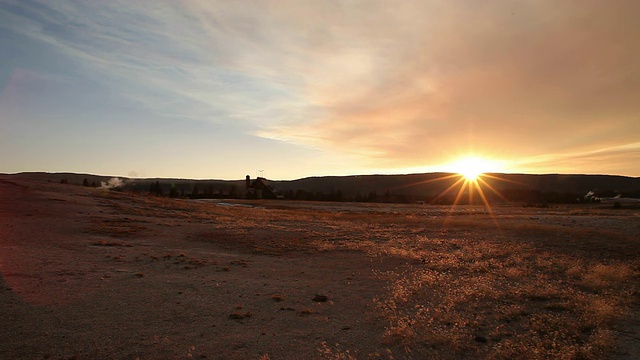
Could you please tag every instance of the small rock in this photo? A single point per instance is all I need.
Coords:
(320, 298)
(480, 339)
(240, 316)
(236, 316)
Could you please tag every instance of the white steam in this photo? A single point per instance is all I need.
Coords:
(112, 183)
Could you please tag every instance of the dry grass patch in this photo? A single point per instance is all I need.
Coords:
(335, 352)
(603, 277)
(503, 300)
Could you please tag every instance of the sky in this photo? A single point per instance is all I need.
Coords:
(294, 88)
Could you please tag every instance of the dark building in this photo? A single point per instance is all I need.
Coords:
(260, 189)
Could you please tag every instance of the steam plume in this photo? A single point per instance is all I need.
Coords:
(112, 183)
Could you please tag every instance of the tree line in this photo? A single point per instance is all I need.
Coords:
(225, 191)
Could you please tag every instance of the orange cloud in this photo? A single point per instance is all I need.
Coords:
(518, 79)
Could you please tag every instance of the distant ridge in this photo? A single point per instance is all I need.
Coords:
(429, 183)
(407, 187)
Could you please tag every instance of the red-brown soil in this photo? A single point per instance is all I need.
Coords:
(95, 274)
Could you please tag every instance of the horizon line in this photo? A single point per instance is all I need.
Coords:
(311, 176)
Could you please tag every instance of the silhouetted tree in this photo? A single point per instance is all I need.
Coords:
(155, 189)
(290, 195)
(301, 195)
(85, 182)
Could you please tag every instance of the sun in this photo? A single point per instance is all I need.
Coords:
(471, 168)
(471, 174)
(471, 181)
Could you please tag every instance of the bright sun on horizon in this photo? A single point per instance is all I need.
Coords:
(473, 167)
(471, 174)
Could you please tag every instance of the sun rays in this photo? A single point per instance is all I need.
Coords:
(473, 173)
(469, 181)
(470, 189)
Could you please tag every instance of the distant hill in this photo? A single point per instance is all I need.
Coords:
(429, 187)
(71, 178)
(515, 187)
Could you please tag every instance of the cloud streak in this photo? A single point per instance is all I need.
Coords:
(395, 84)
(508, 78)
(611, 160)
(503, 79)
(154, 54)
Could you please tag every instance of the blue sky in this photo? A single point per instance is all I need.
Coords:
(220, 89)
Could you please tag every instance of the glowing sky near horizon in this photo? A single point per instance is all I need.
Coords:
(220, 89)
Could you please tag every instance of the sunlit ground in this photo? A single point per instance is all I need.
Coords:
(139, 276)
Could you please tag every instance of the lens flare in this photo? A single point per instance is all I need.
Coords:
(471, 174)
(471, 168)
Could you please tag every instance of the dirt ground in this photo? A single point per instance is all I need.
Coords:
(97, 274)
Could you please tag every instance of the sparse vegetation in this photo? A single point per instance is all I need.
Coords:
(517, 300)
(493, 291)
(335, 352)
(426, 281)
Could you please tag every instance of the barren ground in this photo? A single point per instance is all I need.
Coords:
(88, 273)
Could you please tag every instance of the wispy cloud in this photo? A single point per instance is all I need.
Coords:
(510, 78)
(397, 84)
(610, 160)
(158, 54)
